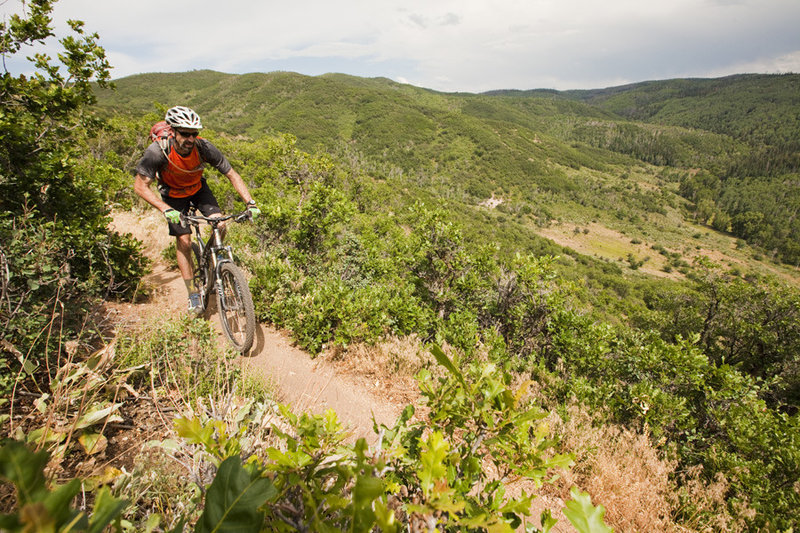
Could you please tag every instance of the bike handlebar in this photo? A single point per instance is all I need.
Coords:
(214, 221)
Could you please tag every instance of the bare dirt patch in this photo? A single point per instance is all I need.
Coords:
(492, 202)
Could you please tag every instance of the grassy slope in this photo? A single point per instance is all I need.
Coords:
(543, 154)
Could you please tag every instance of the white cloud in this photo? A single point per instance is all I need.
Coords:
(471, 45)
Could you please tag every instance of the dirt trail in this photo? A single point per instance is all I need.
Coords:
(307, 385)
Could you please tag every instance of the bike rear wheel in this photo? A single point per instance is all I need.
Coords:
(236, 307)
(202, 275)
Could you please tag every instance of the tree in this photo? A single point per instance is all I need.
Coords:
(747, 224)
(43, 116)
(54, 239)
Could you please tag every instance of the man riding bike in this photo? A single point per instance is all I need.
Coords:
(178, 169)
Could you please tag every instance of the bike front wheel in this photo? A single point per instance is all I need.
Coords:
(236, 307)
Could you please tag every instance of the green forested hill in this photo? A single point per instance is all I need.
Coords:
(758, 109)
(549, 156)
(483, 144)
(755, 107)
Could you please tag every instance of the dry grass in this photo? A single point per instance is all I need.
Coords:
(607, 243)
(620, 469)
(389, 366)
(641, 490)
(705, 507)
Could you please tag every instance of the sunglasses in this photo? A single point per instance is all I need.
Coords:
(188, 134)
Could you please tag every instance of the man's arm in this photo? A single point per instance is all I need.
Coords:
(211, 154)
(141, 186)
(239, 185)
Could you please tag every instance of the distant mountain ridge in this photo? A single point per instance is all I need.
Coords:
(763, 108)
(745, 106)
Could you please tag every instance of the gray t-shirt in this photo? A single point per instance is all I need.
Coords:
(154, 159)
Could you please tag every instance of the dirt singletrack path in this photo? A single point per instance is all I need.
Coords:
(308, 385)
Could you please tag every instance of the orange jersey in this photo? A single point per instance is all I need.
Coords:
(183, 174)
(178, 176)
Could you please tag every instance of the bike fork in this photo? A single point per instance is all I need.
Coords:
(221, 297)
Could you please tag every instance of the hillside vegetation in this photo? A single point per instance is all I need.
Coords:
(758, 108)
(551, 254)
(754, 194)
(427, 215)
(535, 149)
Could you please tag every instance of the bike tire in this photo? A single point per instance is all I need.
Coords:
(236, 307)
(202, 279)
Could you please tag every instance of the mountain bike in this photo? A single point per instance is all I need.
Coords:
(216, 271)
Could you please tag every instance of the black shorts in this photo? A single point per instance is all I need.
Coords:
(203, 200)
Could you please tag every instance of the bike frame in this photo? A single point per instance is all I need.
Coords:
(215, 267)
(213, 253)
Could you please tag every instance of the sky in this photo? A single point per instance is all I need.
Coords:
(446, 45)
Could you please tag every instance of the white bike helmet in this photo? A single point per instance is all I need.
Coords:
(183, 117)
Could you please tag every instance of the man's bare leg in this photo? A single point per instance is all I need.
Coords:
(183, 253)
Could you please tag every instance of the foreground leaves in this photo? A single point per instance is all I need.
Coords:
(234, 500)
(413, 478)
(583, 515)
(44, 508)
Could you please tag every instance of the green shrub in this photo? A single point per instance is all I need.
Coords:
(42, 506)
(311, 480)
(57, 251)
(713, 413)
(52, 277)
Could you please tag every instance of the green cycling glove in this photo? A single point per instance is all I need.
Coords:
(254, 211)
(173, 216)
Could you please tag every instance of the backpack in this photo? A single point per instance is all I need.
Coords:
(162, 132)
